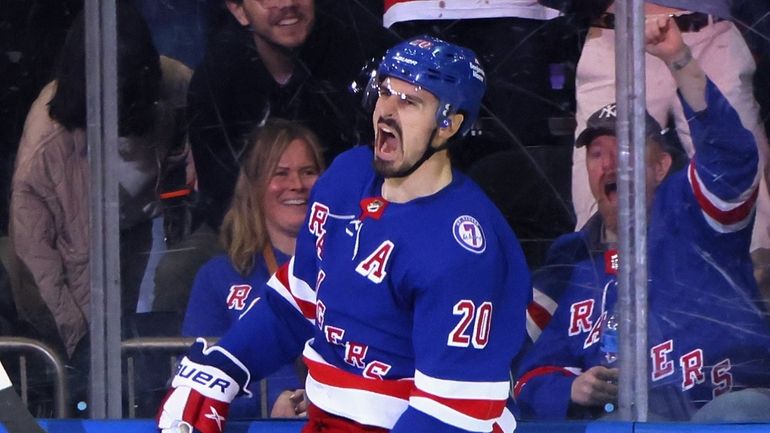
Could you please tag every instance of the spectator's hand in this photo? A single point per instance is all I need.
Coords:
(595, 387)
(290, 404)
(663, 38)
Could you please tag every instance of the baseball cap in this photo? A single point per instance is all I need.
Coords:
(602, 122)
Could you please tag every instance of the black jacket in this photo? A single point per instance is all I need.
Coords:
(231, 93)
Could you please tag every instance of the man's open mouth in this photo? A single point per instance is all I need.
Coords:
(388, 140)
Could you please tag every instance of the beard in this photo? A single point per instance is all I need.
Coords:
(388, 169)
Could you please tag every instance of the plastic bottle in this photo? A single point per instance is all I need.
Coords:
(609, 347)
(609, 340)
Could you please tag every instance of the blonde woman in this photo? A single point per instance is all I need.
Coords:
(258, 234)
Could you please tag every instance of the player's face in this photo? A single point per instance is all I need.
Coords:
(404, 125)
(286, 195)
(286, 23)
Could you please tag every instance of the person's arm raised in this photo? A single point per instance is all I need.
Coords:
(664, 41)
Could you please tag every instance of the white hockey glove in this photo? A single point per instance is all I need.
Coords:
(201, 393)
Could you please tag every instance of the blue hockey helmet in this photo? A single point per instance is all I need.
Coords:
(450, 72)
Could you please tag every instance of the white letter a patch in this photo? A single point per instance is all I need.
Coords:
(373, 267)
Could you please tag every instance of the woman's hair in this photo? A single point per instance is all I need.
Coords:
(139, 75)
(243, 233)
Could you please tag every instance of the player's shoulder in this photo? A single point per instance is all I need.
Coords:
(356, 160)
(464, 224)
(348, 169)
(467, 198)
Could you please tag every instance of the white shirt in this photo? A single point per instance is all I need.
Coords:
(408, 10)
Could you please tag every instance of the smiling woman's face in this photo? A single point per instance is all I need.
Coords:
(288, 188)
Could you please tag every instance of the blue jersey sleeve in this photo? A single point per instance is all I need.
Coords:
(205, 315)
(724, 171)
(271, 334)
(726, 154)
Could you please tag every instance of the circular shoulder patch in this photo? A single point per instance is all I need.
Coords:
(469, 234)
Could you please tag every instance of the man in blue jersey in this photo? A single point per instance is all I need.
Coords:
(707, 335)
(408, 290)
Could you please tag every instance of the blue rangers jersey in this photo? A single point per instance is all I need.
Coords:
(220, 295)
(412, 312)
(707, 334)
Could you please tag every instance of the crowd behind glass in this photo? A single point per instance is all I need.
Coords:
(229, 110)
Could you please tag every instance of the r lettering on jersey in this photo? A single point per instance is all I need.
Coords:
(236, 299)
(355, 354)
(373, 267)
(661, 365)
(334, 335)
(692, 369)
(318, 215)
(376, 370)
(580, 313)
(722, 378)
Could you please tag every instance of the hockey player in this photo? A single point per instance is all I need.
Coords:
(707, 335)
(408, 290)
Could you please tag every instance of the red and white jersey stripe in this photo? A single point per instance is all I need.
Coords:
(723, 216)
(473, 406)
(294, 290)
(408, 10)
(539, 313)
(543, 371)
(366, 401)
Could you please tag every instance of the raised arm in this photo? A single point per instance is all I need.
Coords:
(664, 41)
(724, 171)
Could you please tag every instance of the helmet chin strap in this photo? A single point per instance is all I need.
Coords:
(429, 151)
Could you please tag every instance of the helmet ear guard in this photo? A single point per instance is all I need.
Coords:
(442, 116)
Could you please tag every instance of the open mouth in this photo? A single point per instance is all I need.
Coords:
(388, 141)
(610, 187)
